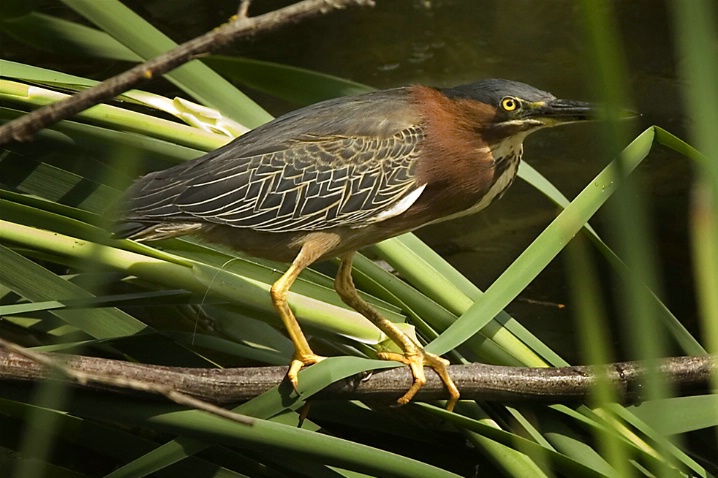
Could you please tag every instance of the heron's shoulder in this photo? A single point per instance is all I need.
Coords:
(377, 114)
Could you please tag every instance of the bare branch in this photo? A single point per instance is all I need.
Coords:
(475, 381)
(23, 128)
(52, 365)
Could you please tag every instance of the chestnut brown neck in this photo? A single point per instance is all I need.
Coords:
(469, 156)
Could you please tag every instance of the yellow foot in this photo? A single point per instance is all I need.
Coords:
(298, 362)
(416, 362)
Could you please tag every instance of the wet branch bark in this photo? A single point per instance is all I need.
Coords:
(475, 381)
(23, 128)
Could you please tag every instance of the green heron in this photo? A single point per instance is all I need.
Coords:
(326, 180)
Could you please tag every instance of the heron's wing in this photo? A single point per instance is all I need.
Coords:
(316, 183)
(298, 173)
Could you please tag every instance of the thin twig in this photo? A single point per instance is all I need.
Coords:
(243, 11)
(23, 128)
(54, 363)
(475, 381)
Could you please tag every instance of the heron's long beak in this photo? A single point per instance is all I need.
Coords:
(560, 111)
(564, 111)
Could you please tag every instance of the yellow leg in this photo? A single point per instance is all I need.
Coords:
(414, 355)
(303, 354)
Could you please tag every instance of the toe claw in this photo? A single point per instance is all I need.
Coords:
(298, 362)
(416, 362)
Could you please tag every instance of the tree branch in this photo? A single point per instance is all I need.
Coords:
(53, 367)
(475, 381)
(22, 129)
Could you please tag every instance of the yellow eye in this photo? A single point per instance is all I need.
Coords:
(510, 104)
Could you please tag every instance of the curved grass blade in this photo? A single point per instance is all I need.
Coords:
(679, 414)
(270, 403)
(192, 276)
(543, 249)
(567, 465)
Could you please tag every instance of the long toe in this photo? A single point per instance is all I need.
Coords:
(298, 362)
(441, 367)
(416, 362)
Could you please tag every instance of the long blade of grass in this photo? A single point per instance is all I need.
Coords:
(695, 31)
(680, 414)
(188, 275)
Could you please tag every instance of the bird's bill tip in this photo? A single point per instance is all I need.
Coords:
(561, 111)
(565, 111)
